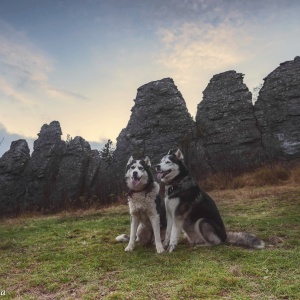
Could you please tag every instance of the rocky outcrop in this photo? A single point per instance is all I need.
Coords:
(12, 188)
(71, 176)
(159, 121)
(277, 111)
(226, 126)
(58, 174)
(93, 182)
(230, 134)
(40, 174)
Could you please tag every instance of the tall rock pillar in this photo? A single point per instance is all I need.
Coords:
(159, 122)
(227, 132)
(278, 111)
(12, 185)
(40, 174)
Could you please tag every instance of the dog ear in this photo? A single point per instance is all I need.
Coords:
(130, 160)
(147, 161)
(171, 152)
(179, 154)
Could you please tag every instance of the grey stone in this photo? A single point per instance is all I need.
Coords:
(277, 110)
(42, 169)
(12, 186)
(159, 121)
(71, 177)
(227, 135)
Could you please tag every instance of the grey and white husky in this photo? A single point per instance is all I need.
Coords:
(190, 209)
(147, 210)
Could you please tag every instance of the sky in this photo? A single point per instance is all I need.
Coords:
(80, 62)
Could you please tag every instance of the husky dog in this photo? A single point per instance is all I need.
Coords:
(147, 210)
(190, 209)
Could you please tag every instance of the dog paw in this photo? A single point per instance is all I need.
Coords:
(129, 248)
(166, 244)
(171, 248)
(160, 250)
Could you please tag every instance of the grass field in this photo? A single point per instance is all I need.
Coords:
(73, 255)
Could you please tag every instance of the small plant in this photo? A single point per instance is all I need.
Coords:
(107, 152)
(68, 139)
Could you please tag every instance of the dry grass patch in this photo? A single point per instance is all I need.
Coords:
(269, 175)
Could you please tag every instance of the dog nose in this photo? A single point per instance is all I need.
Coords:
(135, 174)
(157, 167)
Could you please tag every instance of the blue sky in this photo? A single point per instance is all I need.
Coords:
(81, 61)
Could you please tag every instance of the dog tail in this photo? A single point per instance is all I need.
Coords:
(245, 239)
(124, 238)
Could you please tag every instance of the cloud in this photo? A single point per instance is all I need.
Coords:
(222, 35)
(193, 48)
(8, 89)
(6, 138)
(192, 52)
(25, 70)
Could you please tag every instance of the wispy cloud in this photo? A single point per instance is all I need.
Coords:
(193, 48)
(193, 52)
(8, 89)
(25, 69)
(224, 34)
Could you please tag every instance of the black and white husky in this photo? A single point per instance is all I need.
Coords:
(190, 209)
(147, 210)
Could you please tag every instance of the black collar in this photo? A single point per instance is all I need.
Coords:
(176, 182)
(172, 188)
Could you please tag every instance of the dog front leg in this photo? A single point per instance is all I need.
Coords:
(176, 230)
(169, 228)
(133, 229)
(156, 229)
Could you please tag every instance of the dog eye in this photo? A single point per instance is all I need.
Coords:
(132, 167)
(168, 162)
(141, 168)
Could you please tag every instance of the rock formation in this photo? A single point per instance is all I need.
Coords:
(57, 175)
(278, 111)
(70, 178)
(12, 188)
(92, 181)
(40, 174)
(230, 134)
(227, 136)
(159, 121)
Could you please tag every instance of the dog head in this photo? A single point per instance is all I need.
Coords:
(170, 166)
(138, 173)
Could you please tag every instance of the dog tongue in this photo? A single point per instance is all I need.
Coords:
(159, 175)
(135, 181)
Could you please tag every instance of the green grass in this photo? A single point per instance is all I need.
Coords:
(74, 255)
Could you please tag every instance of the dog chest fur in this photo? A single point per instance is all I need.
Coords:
(171, 204)
(143, 203)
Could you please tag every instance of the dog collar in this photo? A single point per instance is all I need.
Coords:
(172, 188)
